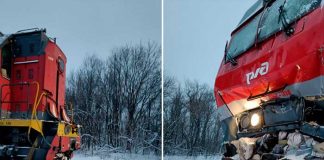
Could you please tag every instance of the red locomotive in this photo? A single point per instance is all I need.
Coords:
(271, 77)
(34, 122)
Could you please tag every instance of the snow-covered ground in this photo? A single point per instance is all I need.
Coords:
(290, 157)
(192, 158)
(119, 156)
(116, 156)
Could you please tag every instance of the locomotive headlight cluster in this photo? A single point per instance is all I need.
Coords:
(251, 120)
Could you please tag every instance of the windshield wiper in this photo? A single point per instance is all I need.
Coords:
(231, 59)
(282, 18)
(228, 56)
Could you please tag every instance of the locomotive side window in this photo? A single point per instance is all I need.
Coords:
(293, 10)
(61, 65)
(243, 39)
(6, 61)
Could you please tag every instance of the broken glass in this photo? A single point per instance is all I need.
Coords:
(270, 22)
(295, 9)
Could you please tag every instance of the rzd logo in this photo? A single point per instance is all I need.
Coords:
(259, 71)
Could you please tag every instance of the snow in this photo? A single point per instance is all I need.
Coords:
(120, 156)
(116, 156)
(191, 158)
(125, 156)
(294, 157)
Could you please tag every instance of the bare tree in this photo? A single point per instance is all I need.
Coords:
(191, 125)
(118, 100)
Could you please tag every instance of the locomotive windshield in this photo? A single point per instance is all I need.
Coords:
(243, 39)
(276, 17)
(251, 11)
(29, 44)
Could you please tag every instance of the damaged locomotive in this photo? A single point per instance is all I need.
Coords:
(271, 78)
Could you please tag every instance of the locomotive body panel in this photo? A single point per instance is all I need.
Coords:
(273, 67)
(291, 60)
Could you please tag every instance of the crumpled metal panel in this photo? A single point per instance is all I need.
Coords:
(284, 112)
(313, 130)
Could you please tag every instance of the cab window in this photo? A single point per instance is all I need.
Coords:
(243, 39)
(293, 10)
(6, 56)
(29, 44)
(251, 11)
(276, 17)
(270, 22)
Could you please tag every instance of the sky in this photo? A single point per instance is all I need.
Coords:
(85, 27)
(195, 34)
(195, 31)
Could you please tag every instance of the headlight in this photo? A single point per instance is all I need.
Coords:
(245, 121)
(255, 119)
(251, 120)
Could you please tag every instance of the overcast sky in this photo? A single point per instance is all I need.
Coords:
(85, 27)
(195, 33)
(195, 30)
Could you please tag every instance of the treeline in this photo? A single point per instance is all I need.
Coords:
(191, 124)
(117, 100)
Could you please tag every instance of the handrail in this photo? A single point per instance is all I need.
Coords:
(37, 101)
(30, 29)
(14, 84)
(36, 104)
(252, 97)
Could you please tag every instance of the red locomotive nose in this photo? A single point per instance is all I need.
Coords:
(273, 64)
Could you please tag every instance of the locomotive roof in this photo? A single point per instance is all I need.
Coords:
(251, 11)
(257, 6)
(5, 37)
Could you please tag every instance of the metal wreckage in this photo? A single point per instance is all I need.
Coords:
(271, 81)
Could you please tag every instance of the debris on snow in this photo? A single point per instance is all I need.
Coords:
(282, 135)
(295, 140)
(246, 147)
(282, 146)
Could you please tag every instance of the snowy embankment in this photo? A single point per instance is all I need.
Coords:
(115, 156)
(192, 158)
(120, 156)
(290, 156)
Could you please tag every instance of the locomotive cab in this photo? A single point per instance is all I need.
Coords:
(34, 122)
(270, 79)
